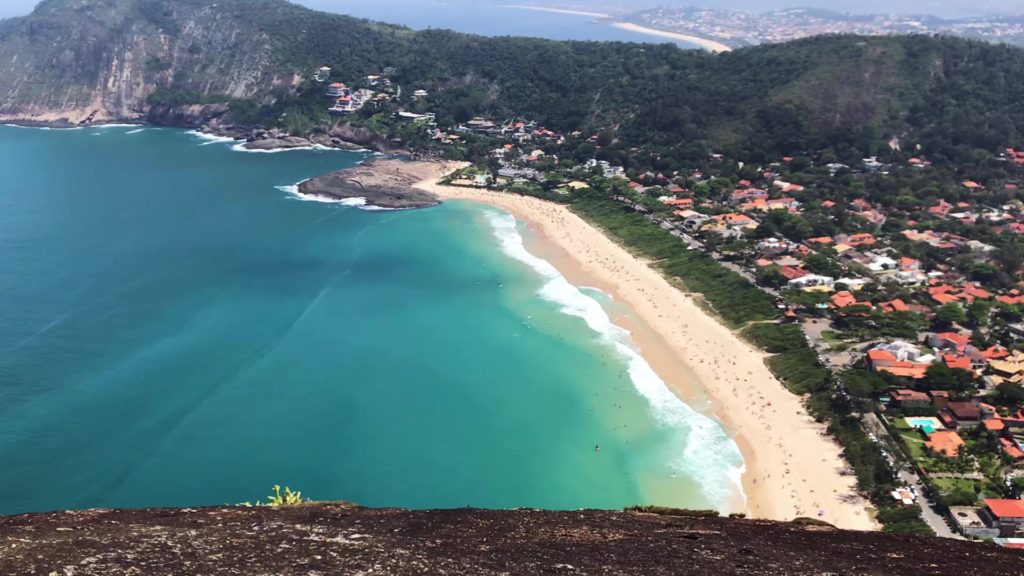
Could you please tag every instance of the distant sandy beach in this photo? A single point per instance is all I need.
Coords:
(561, 11)
(793, 468)
(704, 43)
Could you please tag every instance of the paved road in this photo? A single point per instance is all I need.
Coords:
(930, 516)
(909, 478)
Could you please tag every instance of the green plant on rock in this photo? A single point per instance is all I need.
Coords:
(286, 498)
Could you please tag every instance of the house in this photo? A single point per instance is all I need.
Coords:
(680, 203)
(960, 414)
(1008, 369)
(793, 272)
(972, 522)
(811, 282)
(695, 221)
(893, 306)
(337, 90)
(322, 74)
(950, 341)
(741, 221)
(899, 358)
(945, 442)
(1005, 514)
(909, 399)
(939, 398)
(420, 94)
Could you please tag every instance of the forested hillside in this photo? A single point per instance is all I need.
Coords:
(118, 59)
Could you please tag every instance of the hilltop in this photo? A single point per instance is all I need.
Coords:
(250, 63)
(335, 539)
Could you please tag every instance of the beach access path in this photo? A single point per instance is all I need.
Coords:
(793, 467)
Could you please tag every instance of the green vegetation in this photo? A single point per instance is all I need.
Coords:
(286, 498)
(844, 95)
(732, 297)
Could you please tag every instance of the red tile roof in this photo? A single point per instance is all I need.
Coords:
(1005, 508)
(945, 442)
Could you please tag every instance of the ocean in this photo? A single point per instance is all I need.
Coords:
(488, 19)
(178, 329)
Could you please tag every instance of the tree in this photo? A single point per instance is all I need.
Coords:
(949, 314)
(978, 312)
(823, 265)
(770, 276)
(863, 384)
(1009, 394)
(940, 377)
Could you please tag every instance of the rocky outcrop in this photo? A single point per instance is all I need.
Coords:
(188, 115)
(363, 137)
(382, 183)
(135, 59)
(324, 539)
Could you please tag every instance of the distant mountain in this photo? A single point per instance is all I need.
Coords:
(188, 62)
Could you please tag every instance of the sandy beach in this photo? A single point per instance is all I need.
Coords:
(560, 11)
(793, 468)
(704, 43)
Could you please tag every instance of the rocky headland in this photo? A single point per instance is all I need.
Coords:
(383, 183)
(322, 539)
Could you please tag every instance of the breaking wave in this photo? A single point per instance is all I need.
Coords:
(709, 455)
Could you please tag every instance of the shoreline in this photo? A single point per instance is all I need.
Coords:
(705, 43)
(793, 469)
(559, 11)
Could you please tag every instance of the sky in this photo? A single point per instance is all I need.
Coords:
(381, 8)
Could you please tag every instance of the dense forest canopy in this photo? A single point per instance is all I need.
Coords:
(845, 93)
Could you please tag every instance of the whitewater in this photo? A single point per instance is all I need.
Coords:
(708, 454)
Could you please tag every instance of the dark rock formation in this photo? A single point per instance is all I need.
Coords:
(383, 183)
(330, 539)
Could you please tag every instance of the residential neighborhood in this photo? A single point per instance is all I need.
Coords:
(912, 302)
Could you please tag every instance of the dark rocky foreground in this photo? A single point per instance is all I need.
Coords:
(383, 183)
(330, 539)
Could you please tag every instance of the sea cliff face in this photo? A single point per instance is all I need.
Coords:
(101, 60)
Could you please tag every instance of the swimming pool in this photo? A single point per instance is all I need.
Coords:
(925, 424)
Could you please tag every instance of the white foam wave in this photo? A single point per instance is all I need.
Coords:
(136, 131)
(42, 127)
(113, 126)
(710, 456)
(210, 138)
(293, 190)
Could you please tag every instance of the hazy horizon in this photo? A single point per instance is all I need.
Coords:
(378, 9)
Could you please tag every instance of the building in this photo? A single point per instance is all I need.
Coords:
(322, 74)
(909, 399)
(811, 282)
(945, 442)
(337, 90)
(1005, 515)
(972, 522)
(960, 414)
(899, 358)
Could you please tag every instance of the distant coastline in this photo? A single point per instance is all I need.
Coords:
(705, 43)
(709, 45)
(561, 11)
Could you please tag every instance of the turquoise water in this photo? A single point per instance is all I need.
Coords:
(927, 425)
(177, 330)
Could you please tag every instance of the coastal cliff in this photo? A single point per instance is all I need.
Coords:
(342, 539)
(231, 65)
(101, 60)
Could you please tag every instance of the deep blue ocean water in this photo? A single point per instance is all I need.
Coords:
(177, 330)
